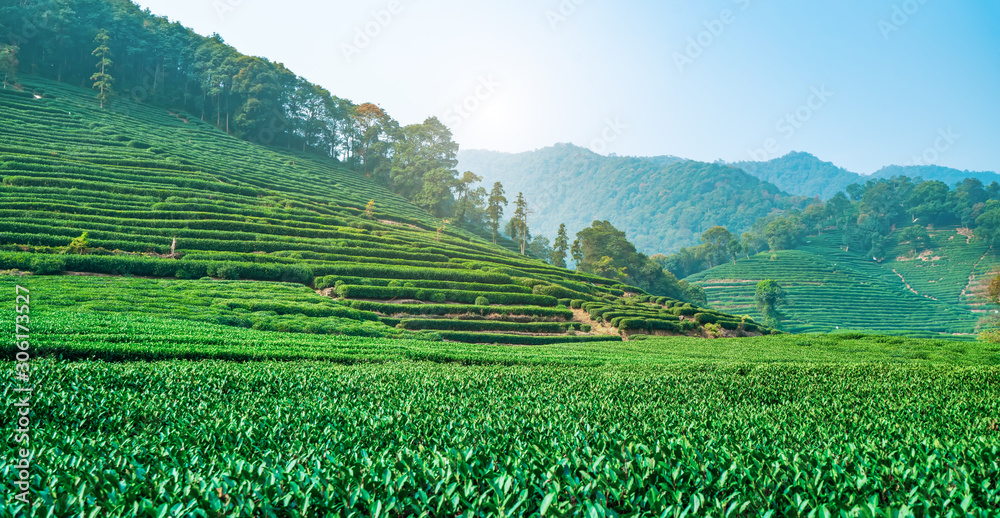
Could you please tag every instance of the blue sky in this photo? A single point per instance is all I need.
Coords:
(861, 83)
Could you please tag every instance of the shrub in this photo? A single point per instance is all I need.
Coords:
(730, 325)
(297, 274)
(482, 301)
(633, 324)
(576, 304)
(459, 336)
(378, 271)
(440, 324)
(459, 296)
(78, 245)
(686, 311)
(705, 318)
(556, 291)
(228, 271)
(47, 265)
(439, 298)
(458, 309)
(713, 330)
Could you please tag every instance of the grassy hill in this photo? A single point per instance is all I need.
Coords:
(925, 295)
(662, 203)
(163, 195)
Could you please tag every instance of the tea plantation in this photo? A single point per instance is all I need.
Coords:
(145, 414)
(931, 294)
(163, 195)
(239, 338)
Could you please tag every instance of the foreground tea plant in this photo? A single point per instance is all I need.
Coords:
(419, 439)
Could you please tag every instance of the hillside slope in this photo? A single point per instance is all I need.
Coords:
(933, 172)
(661, 203)
(164, 195)
(926, 295)
(803, 174)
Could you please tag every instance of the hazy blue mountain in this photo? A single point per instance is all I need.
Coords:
(802, 174)
(933, 172)
(662, 203)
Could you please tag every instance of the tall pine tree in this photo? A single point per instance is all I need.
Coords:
(494, 209)
(519, 223)
(102, 80)
(560, 247)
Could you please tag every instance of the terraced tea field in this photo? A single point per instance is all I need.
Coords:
(871, 426)
(931, 295)
(163, 195)
(240, 338)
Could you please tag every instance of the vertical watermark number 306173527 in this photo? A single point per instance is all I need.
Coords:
(23, 390)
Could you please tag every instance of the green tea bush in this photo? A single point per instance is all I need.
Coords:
(558, 292)
(491, 338)
(459, 296)
(705, 318)
(685, 311)
(484, 325)
(407, 273)
(457, 309)
(47, 265)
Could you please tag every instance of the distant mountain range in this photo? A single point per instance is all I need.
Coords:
(662, 203)
(666, 202)
(803, 174)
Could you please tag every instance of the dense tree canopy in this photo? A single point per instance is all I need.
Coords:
(868, 224)
(770, 296)
(604, 250)
(423, 167)
(662, 204)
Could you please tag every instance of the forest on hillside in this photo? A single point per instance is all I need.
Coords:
(867, 214)
(662, 203)
(128, 55)
(156, 61)
(804, 174)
